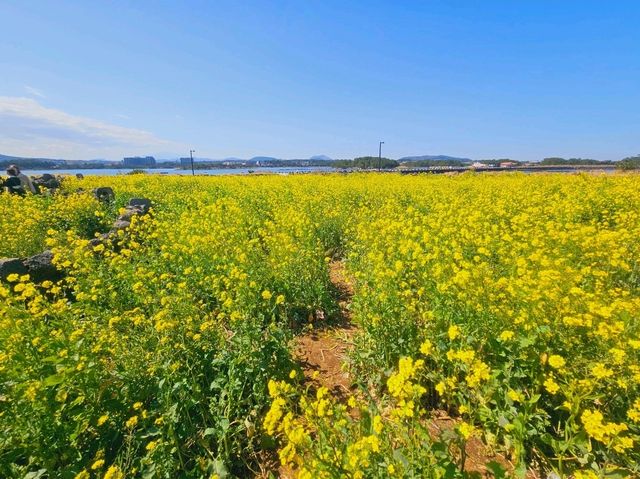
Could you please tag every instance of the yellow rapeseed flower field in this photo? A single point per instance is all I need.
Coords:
(509, 301)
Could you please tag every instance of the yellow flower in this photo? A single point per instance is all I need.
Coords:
(506, 335)
(13, 277)
(272, 418)
(479, 372)
(426, 347)
(551, 386)
(453, 332)
(556, 361)
(266, 294)
(599, 371)
(634, 412)
(377, 424)
(82, 475)
(97, 464)
(586, 474)
(279, 299)
(293, 374)
(102, 419)
(151, 446)
(466, 430)
(132, 422)
(515, 396)
(621, 444)
(600, 430)
(114, 472)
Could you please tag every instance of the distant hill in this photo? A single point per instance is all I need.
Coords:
(321, 158)
(434, 158)
(30, 163)
(16, 159)
(54, 163)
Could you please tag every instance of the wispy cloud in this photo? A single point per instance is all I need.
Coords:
(34, 91)
(29, 128)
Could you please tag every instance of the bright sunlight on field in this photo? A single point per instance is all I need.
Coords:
(508, 302)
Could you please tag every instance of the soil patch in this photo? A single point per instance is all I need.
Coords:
(322, 350)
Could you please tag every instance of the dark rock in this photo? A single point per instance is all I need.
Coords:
(103, 238)
(130, 212)
(121, 224)
(104, 194)
(10, 266)
(41, 268)
(95, 242)
(80, 176)
(142, 203)
(46, 181)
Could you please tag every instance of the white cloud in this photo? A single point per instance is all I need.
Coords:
(34, 91)
(29, 129)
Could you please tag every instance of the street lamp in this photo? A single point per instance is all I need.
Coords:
(191, 152)
(380, 156)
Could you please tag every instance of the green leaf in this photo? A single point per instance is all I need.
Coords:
(53, 380)
(224, 423)
(521, 470)
(496, 469)
(36, 474)
(220, 469)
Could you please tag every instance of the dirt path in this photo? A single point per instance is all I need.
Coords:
(322, 351)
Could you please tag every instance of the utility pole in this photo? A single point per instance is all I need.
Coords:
(380, 156)
(191, 152)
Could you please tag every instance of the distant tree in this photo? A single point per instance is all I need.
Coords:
(629, 163)
(573, 161)
(554, 161)
(366, 163)
(433, 163)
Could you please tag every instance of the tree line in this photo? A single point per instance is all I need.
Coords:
(367, 163)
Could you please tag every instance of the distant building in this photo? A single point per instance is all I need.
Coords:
(139, 161)
(508, 164)
(477, 164)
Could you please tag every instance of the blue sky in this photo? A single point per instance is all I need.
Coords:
(291, 79)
